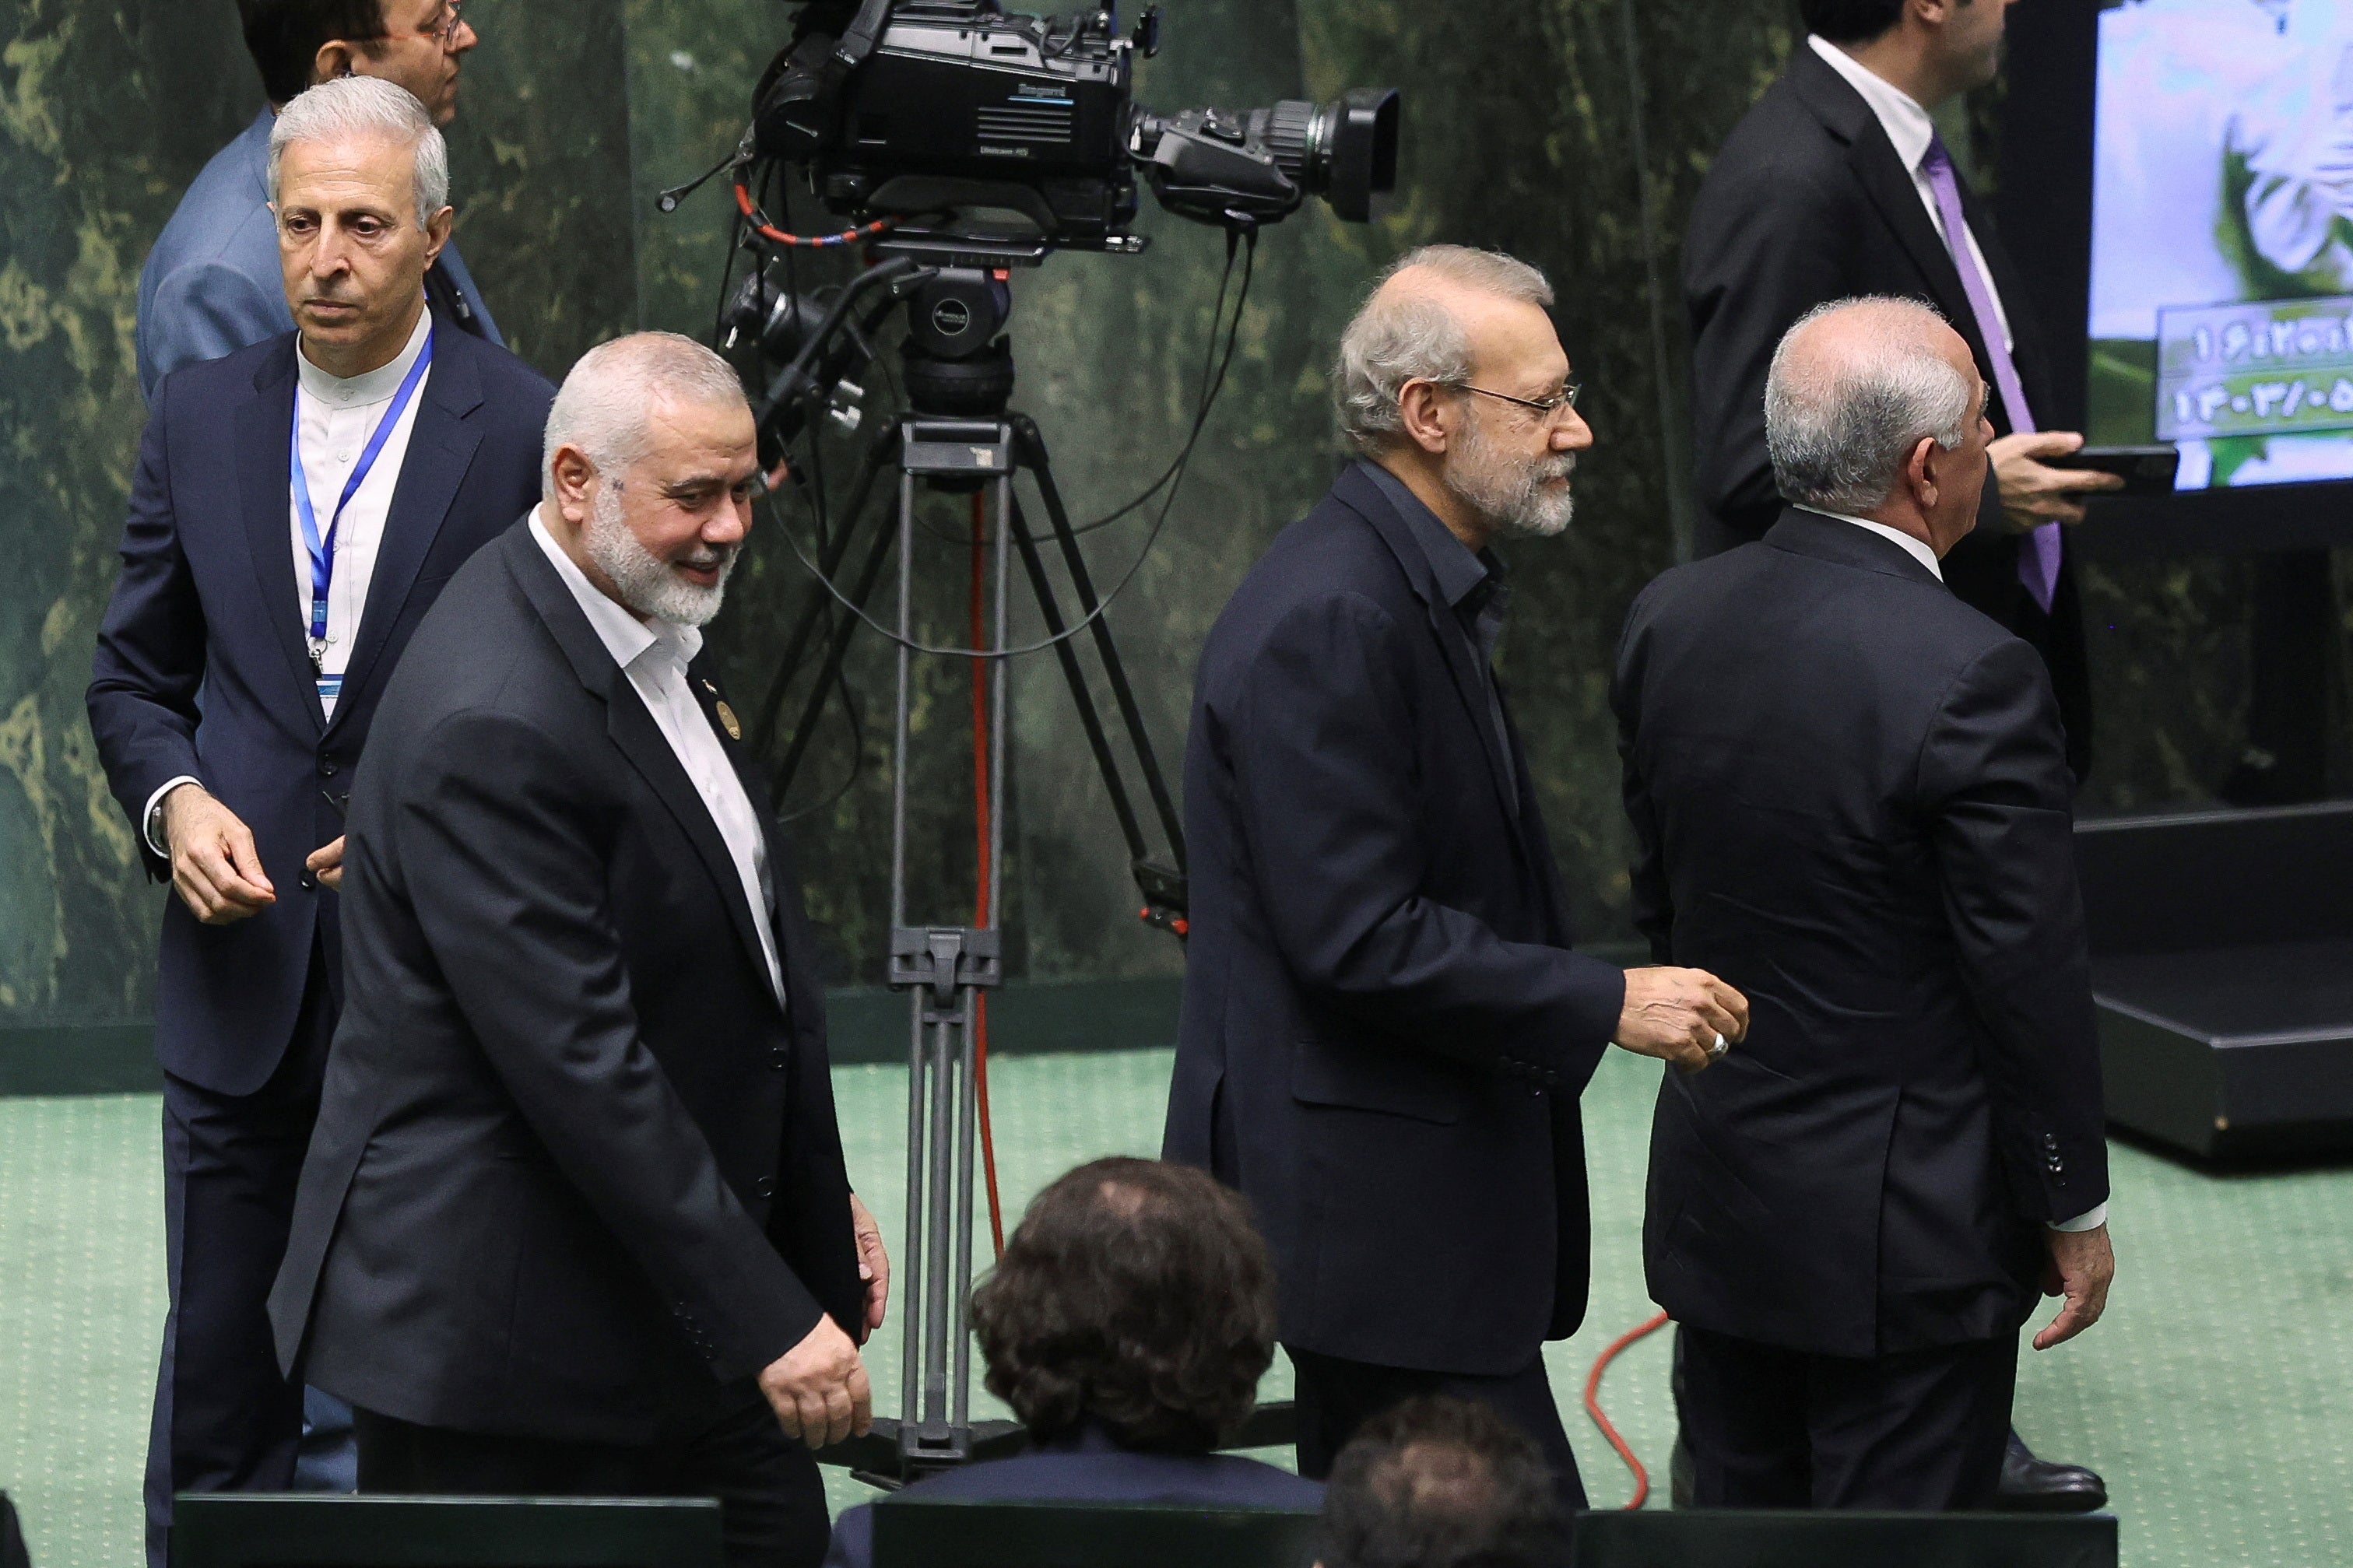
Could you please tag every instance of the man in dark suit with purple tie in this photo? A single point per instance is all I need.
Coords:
(1836, 185)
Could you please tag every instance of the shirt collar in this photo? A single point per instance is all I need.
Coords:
(625, 636)
(1915, 548)
(367, 389)
(1907, 124)
(1460, 572)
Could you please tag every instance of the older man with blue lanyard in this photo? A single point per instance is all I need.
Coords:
(296, 507)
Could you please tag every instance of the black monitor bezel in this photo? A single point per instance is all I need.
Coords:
(2043, 202)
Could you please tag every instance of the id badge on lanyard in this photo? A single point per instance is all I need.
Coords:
(322, 548)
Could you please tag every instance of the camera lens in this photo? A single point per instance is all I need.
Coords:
(1344, 151)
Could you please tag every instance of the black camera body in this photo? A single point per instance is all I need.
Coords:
(957, 119)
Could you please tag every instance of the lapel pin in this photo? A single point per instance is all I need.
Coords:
(727, 720)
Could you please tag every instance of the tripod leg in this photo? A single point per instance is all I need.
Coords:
(805, 728)
(830, 556)
(1049, 610)
(1033, 447)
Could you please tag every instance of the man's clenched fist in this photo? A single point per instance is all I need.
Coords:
(1676, 1015)
(818, 1389)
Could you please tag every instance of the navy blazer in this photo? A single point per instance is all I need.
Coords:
(1385, 1033)
(574, 1160)
(202, 670)
(1089, 1466)
(212, 283)
(1851, 800)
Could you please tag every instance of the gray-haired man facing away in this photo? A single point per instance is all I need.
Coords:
(1851, 799)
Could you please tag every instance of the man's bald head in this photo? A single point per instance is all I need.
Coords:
(1854, 387)
(1436, 314)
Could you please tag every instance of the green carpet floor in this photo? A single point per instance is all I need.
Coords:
(2217, 1397)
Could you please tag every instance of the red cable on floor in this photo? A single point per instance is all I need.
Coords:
(1593, 1405)
(980, 805)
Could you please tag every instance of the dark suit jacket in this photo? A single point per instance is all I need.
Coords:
(201, 666)
(1089, 1466)
(1849, 801)
(1384, 1032)
(572, 1157)
(1807, 203)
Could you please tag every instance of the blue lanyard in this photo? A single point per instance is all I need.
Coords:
(322, 551)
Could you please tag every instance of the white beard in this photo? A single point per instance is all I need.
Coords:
(645, 582)
(1508, 493)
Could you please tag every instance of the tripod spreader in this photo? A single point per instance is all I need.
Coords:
(1160, 881)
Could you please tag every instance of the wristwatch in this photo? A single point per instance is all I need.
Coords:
(157, 840)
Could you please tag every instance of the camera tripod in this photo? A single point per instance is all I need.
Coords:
(953, 438)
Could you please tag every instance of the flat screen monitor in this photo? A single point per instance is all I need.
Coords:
(2222, 296)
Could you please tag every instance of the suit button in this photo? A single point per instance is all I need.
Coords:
(765, 1186)
(326, 767)
(777, 1059)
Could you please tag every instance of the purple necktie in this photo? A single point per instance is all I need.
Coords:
(2038, 565)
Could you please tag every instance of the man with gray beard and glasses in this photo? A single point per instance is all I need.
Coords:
(1385, 1030)
(575, 1220)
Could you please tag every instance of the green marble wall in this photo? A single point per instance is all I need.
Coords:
(107, 108)
(1573, 133)
(106, 111)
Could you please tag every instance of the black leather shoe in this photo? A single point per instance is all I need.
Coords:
(2029, 1484)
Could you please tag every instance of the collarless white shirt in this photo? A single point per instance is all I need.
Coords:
(1909, 127)
(336, 415)
(1915, 548)
(654, 655)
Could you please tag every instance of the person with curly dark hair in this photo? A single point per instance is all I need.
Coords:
(1127, 1325)
(1438, 1482)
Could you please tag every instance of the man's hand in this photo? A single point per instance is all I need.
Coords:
(215, 867)
(1676, 1015)
(819, 1390)
(2032, 494)
(2081, 1268)
(326, 863)
(873, 1265)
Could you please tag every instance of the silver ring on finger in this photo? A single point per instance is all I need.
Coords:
(1715, 1051)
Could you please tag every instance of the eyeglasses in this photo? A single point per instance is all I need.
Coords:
(443, 32)
(1542, 407)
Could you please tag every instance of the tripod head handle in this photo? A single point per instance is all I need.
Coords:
(808, 379)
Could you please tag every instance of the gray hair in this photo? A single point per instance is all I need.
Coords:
(1415, 338)
(356, 106)
(1842, 424)
(602, 406)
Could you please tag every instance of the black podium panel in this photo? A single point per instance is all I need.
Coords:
(2223, 961)
(916, 1532)
(320, 1529)
(1755, 1538)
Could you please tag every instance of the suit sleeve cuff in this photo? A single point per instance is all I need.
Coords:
(147, 823)
(2091, 1219)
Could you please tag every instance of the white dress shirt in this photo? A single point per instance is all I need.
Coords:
(336, 415)
(1919, 549)
(654, 655)
(1909, 127)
